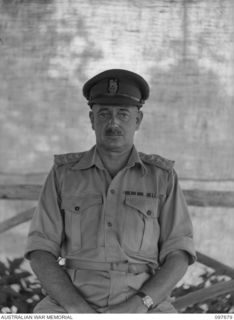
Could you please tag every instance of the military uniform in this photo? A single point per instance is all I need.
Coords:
(105, 227)
(113, 232)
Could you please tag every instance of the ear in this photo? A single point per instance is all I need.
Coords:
(139, 118)
(91, 117)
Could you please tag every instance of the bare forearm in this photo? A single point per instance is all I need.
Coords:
(57, 283)
(159, 286)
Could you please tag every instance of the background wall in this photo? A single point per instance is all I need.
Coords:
(185, 49)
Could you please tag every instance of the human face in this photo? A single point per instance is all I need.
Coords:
(115, 126)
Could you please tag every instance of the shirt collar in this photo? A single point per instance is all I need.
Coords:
(92, 158)
(134, 159)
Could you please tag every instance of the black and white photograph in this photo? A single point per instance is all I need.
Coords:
(116, 158)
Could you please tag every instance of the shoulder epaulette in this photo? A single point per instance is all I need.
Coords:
(157, 161)
(67, 158)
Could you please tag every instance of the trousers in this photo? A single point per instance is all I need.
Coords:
(49, 305)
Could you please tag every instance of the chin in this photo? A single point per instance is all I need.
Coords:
(113, 146)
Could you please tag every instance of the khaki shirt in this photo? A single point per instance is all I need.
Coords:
(138, 216)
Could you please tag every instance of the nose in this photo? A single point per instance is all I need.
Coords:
(113, 118)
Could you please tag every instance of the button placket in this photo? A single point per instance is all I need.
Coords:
(110, 207)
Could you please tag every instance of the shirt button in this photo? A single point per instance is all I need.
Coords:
(77, 208)
(149, 212)
(109, 224)
(112, 191)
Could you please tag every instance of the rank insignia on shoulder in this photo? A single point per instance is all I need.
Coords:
(68, 158)
(157, 161)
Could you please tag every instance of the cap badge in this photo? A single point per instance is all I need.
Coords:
(113, 86)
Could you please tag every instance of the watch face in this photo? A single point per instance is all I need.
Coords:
(148, 302)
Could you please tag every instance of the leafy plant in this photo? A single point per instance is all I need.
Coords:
(19, 291)
(221, 304)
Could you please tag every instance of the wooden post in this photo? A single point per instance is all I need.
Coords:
(194, 197)
(15, 221)
(204, 294)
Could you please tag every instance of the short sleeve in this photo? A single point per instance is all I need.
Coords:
(46, 230)
(176, 230)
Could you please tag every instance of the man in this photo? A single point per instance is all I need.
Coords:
(117, 217)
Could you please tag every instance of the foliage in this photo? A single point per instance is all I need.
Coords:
(19, 291)
(220, 304)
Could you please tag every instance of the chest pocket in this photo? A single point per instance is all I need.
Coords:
(141, 228)
(82, 220)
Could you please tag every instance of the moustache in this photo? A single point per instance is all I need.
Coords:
(113, 131)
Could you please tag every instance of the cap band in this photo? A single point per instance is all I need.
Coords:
(118, 95)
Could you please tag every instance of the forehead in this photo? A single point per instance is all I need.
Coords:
(99, 107)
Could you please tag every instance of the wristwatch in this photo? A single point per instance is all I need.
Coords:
(147, 300)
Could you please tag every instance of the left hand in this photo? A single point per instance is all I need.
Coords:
(132, 305)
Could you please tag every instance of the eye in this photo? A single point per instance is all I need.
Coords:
(124, 116)
(103, 115)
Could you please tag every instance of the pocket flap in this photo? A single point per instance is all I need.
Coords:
(78, 204)
(147, 206)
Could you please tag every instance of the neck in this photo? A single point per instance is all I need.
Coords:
(114, 161)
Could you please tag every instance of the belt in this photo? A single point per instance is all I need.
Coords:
(108, 266)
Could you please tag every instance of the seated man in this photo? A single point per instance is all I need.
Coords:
(117, 216)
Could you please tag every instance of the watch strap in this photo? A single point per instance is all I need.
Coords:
(141, 294)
